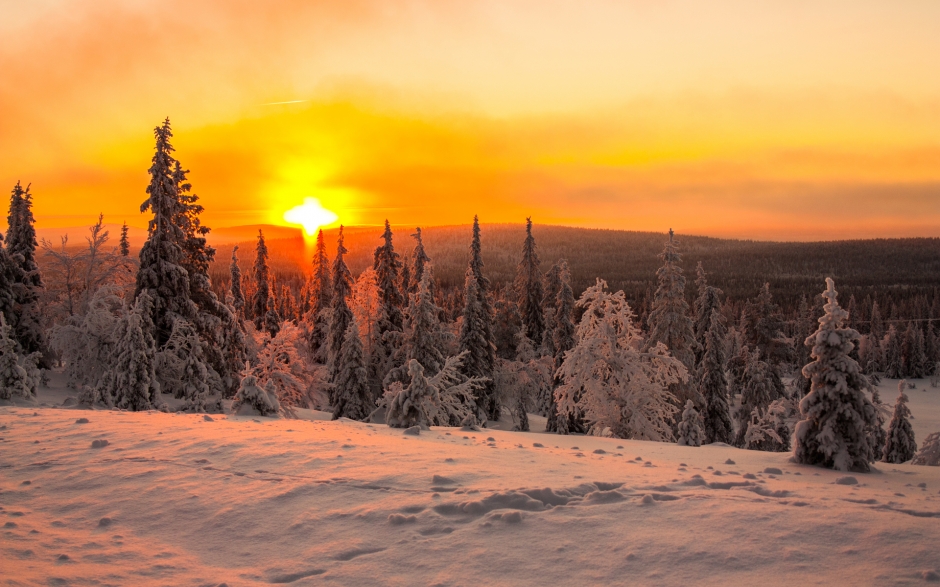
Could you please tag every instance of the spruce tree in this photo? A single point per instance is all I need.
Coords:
(900, 445)
(272, 320)
(425, 338)
(352, 384)
(918, 367)
(133, 379)
(26, 319)
(757, 392)
(161, 272)
(416, 404)
(340, 314)
(389, 328)
(15, 377)
(929, 453)
(476, 333)
(321, 292)
(669, 320)
(124, 245)
(707, 303)
(419, 258)
(690, 428)
(552, 288)
(259, 302)
(563, 340)
(238, 296)
(892, 350)
(713, 386)
(529, 288)
(836, 414)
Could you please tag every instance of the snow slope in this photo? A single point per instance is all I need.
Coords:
(189, 500)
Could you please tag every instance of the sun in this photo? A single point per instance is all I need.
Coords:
(311, 215)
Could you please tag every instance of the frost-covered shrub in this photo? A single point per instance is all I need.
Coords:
(183, 371)
(690, 428)
(929, 453)
(523, 385)
(769, 430)
(900, 445)
(443, 400)
(836, 414)
(610, 379)
(415, 404)
(278, 362)
(251, 395)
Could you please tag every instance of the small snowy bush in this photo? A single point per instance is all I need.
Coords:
(261, 400)
(690, 428)
(929, 453)
(19, 375)
(900, 445)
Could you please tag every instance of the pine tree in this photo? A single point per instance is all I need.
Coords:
(340, 314)
(132, 383)
(321, 290)
(529, 288)
(836, 413)
(26, 319)
(900, 445)
(563, 339)
(262, 278)
(929, 453)
(621, 391)
(238, 296)
(352, 384)
(713, 386)
(124, 245)
(476, 333)
(669, 321)
(690, 427)
(161, 272)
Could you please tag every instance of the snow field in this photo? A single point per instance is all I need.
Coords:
(189, 500)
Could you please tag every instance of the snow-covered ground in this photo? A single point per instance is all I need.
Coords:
(194, 500)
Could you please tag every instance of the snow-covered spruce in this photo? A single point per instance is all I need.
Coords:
(713, 385)
(19, 375)
(690, 428)
(352, 385)
(238, 295)
(26, 320)
(900, 445)
(669, 319)
(563, 340)
(929, 453)
(131, 383)
(262, 284)
(390, 319)
(317, 318)
(769, 429)
(340, 314)
(445, 399)
(182, 369)
(835, 414)
(252, 398)
(621, 390)
(529, 288)
(757, 393)
(279, 366)
(877, 436)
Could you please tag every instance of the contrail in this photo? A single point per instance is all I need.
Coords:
(288, 102)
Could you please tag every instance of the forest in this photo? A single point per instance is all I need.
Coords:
(618, 334)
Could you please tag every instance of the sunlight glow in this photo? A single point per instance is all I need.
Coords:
(311, 215)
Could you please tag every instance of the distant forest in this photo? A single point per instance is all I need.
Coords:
(903, 275)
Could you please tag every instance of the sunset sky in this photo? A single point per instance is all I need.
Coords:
(768, 120)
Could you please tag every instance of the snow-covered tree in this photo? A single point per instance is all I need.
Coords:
(836, 414)
(563, 340)
(929, 453)
(389, 328)
(262, 284)
(507, 324)
(552, 288)
(279, 364)
(340, 314)
(621, 390)
(161, 273)
(757, 392)
(877, 436)
(690, 428)
(182, 369)
(353, 396)
(713, 386)
(317, 319)
(707, 303)
(529, 288)
(762, 325)
(900, 445)
(261, 399)
(272, 320)
(415, 404)
(26, 320)
(419, 258)
(447, 399)
(669, 320)
(131, 383)
(366, 305)
(476, 332)
(19, 375)
(768, 430)
(124, 244)
(892, 349)
(238, 296)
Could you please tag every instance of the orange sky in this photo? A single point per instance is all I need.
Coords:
(768, 120)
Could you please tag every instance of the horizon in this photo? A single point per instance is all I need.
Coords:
(631, 116)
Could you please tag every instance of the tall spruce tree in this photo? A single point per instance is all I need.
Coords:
(27, 285)
(669, 320)
(836, 414)
(262, 277)
(529, 288)
(713, 385)
(132, 381)
(552, 287)
(161, 272)
(419, 258)
(563, 340)
(707, 302)
(321, 292)
(476, 333)
(124, 245)
(900, 445)
(388, 332)
(340, 314)
(353, 397)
